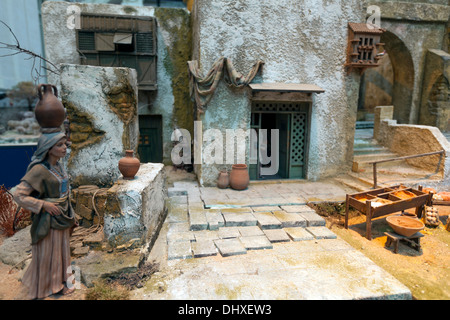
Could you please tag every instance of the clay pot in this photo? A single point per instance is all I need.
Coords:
(129, 165)
(224, 180)
(239, 177)
(405, 226)
(49, 111)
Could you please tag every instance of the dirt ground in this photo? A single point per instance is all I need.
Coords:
(426, 272)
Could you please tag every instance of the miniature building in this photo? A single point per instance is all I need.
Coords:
(120, 41)
(363, 44)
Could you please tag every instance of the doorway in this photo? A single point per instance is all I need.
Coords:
(292, 122)
(150, 139)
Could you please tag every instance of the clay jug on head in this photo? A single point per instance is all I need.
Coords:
(129, 165)
(49, 111)
(239, 177)
(223, 180)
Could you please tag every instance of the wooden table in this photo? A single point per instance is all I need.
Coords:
(362, 202)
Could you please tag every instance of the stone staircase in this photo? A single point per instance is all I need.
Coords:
(366, 150)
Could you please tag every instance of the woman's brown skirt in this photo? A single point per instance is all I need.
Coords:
(47, 272)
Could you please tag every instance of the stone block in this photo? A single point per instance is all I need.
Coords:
(229, 232)
(250, 231)
(204, 248)
(321, 232)
(179, 250)
(205, 235)
(276, 235)
(313, 219)
(197, 220)
(142, 207)
(266, 220)
(102, 122)
(230, 247)
(181, 236)
(290, 219)
(239, 219)
(297, 208)
(256, 243)
(299, 234)
(214, 219)
(265, 208)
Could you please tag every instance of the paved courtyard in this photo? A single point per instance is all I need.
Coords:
(260, 243)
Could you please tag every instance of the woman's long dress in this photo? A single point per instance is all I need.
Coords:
(48, 271)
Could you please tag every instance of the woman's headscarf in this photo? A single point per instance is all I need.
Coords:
(45, 143)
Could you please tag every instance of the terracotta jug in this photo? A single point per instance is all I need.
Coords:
(239, 177)
(49, 110)
(224, 180)
(129, 165)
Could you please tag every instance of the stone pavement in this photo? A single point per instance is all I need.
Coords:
(260, 243)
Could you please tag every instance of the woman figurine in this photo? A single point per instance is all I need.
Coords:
(44, 190)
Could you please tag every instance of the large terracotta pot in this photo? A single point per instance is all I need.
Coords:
(239, 177)
(49, 110)
(224, 180)
(129, 165)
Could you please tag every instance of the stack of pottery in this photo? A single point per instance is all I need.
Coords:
(239, 177)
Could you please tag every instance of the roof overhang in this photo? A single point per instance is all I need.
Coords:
(286, 87)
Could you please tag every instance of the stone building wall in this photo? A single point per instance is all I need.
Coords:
(300, 42)
(171, 99)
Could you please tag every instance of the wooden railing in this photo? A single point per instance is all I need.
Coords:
(374, 163)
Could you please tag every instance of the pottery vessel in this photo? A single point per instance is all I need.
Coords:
(49, 111)
(129, 165)
(224, 180)
(239, 177)
(405, 226)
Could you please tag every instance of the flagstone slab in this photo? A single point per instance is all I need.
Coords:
(321, 232)
(256, 243)
(313, 219)
(289, 219)
(297, 208)
(204, 248)
(180, 236)
(197, 220)
(230, 247)
(239, 219)
(214, 218)
(179, 250)
(299, 234)
(276, 235)
(266, 220)
(265, 208)
(229, 232)
(250, 231)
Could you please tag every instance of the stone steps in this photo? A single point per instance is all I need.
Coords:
(198, 232)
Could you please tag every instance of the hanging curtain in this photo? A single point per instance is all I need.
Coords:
(202, 88)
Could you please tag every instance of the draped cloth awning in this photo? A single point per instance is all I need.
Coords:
(202, 88)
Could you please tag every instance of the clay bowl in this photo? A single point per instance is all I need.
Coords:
(404, 225)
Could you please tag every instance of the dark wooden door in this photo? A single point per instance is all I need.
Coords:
(150, 139)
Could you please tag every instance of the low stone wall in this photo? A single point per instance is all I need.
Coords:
(407, 139)
(131, 211)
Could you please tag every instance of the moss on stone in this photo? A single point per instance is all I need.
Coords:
(177, 23)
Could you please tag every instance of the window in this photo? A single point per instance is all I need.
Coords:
(120, 41)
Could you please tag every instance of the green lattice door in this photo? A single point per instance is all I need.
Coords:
(297, 145)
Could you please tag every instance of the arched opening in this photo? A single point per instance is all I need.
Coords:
(391, 83)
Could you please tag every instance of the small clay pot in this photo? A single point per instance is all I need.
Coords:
(49, 111)
(224, 180)
(129, 165)
(239, 177)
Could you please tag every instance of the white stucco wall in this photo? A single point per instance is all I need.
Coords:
(300, 41)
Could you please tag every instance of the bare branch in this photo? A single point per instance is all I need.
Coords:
(31, 55)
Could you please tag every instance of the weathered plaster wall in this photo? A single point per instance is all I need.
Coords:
(173, 47)
(102, 108)
(300, 42)
(420, 25)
